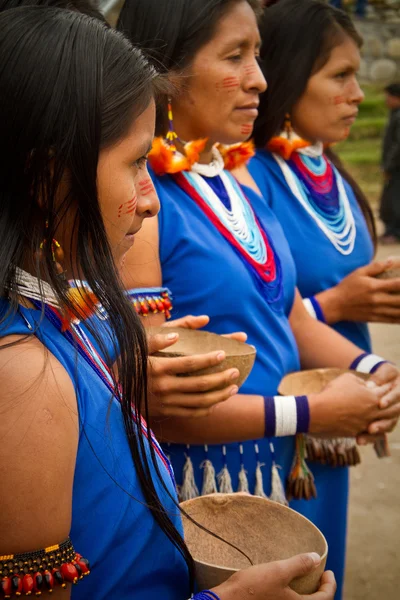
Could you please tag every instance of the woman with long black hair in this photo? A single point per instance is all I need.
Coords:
(81, 470)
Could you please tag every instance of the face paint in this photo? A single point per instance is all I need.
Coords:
(146, 187)
(250, 69)
(246, 129)
(339, 100)
(228, 83)
(127, 208)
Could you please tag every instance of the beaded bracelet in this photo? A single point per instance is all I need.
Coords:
(151, 300)
(286, 415)
(32, 572)
(206, 595)
(367, 363)
(313, 307)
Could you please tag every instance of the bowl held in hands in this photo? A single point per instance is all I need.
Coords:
(238, 354)
(264, 530)
(392, 273)
(313, 381)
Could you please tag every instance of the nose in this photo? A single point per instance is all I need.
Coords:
(148, 203)
(357, 94)
(254, 80)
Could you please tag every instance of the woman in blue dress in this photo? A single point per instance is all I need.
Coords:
(80, 468)
(222, 252)
(311, 102)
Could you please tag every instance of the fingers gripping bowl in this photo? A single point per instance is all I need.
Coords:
(312, 381)
(191, 342)
(264, 530)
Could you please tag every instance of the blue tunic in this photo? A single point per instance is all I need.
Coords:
(206, 276)
(129, 554)
(307, 242)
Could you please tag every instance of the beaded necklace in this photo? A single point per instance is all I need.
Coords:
(320, 189)
(223, 201)
(77, 337)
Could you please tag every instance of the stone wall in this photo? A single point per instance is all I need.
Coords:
(381, 52)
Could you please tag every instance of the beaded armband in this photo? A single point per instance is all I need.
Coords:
(33, 572)
(151, 300)
(206, 595)
(286, 415)
(367, 363)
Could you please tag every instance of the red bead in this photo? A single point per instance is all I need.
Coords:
(153, 305)
(17, 585)
(48, 580)
(136, 306)
(84, 565)
(69, 572)
(6, 587)
(38, 582)
(58, 577)
(27, 584)
(167, 304)
(160, 305)
(144, 309)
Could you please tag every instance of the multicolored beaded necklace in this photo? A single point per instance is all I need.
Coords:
(223, 201)
(221, 198)
(319, 187)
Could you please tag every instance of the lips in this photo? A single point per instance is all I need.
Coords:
(249, 110)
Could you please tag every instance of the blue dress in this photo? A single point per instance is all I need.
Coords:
(130, 556)
(206, 276)
(307, 242)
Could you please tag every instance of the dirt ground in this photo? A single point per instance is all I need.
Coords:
(373, 552)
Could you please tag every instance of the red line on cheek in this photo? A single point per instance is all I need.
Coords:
(130, 206)
(339, 100)
(229, 83)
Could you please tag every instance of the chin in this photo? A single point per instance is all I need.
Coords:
(236, 137)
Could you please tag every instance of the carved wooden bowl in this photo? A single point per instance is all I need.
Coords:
(265, 531)
(238, 354)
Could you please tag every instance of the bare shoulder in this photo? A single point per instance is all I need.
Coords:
(39, 436)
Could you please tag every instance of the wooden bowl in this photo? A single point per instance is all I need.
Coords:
(190, 342)
(313, 381)
(393, 272)
(266, 531)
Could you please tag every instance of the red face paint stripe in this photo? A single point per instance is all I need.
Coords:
(250, 69)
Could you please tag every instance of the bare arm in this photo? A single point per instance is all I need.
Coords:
(362, 297)
(319, 345)
(39, 433)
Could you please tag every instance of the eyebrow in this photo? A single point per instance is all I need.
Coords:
(240, 43)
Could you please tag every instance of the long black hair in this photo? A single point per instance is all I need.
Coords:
(171, 32)
(70, 87)
(87, 7)
(297, 40)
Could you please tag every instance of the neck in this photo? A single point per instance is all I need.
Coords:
(205, 156)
